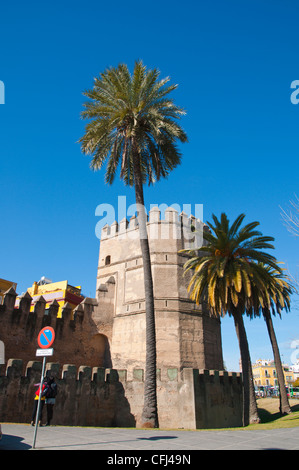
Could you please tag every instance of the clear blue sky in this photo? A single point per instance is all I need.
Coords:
(234, 63)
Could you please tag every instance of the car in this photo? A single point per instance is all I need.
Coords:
(0, 433)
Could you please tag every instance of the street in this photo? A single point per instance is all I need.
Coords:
(20, 437)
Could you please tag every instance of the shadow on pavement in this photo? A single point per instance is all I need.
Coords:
(10, 442)
(156, 438)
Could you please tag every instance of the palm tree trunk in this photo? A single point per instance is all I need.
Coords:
(284, 402)
(250, 412)
(253, 410)
(150, 409)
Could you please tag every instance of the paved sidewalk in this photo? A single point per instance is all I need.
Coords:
(20, 437)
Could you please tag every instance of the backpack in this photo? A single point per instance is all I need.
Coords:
(52, 390)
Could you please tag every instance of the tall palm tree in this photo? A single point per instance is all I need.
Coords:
(274, 300)
(134, 126)
(224, 271)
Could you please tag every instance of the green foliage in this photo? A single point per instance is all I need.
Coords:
(275, 298)
(233, 272)
(132, 114)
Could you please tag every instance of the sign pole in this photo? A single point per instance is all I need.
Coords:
(45, 340)
(39, 401)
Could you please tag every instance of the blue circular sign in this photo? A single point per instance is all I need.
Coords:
(46, 337)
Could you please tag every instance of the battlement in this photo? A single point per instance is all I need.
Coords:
(63, 372)
(21, 320)
(96, 396)
(173, 226)
(21, 306)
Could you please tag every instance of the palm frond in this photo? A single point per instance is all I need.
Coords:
(128, 112)
(236, 270)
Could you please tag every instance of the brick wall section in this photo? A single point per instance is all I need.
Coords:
(193, 399)
(77, 338)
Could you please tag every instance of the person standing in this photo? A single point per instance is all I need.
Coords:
(50, 399)
(42, 402)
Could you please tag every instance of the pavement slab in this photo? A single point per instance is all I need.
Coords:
(20, 437)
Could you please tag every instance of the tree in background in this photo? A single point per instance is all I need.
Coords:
(291, 221)
(291, 217)
(273, 300)
(134, 125)
(225, 271)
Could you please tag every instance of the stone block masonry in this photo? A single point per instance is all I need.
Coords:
(94, 396)
(186, 335)
(102, 341)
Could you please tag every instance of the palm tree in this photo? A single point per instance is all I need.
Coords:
(134, 125)
(224, 272)
(275, 299)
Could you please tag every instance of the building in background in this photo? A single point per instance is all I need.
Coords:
(4, 286)
(61, 291)
(264, 374)
(295, 369)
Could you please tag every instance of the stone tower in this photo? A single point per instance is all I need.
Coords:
(186, 335)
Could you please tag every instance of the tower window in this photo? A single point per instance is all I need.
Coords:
(108, 260)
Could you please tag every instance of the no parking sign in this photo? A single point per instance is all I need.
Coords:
(46, 337)
(45, 340)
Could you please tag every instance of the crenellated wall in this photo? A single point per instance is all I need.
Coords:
(108, 334)
(93, 396)
(77, 338)
(173, 226)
